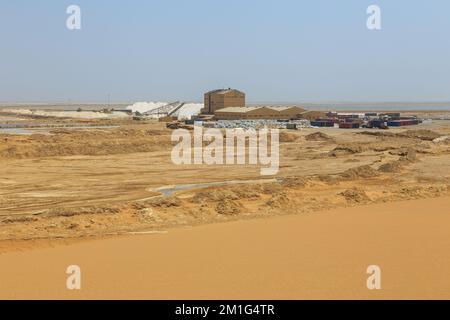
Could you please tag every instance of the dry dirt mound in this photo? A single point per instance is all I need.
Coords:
(270, 188)
(162, 202)
(347, 149)
(279, 200)
(238, 192)
(420, 192)
(377, 133)
(288, 136)
(421, 134)
(355, 195)
(18, 219)
(318, 136)
(70, 212)
(327, 178)
(294, 182)
(381, 145)
(408, 156)
(351, 160)
(392, 167)
(402, 152)
(359, 172)
(82, 142)
(246, 192)
(228, 207)
(214, 195)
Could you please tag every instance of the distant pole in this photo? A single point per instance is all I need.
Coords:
(109, 100)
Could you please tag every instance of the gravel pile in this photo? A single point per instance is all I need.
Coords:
(256, 124)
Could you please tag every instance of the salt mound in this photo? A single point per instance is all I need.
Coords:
(142, 107)
(186, 112)
(189, 110)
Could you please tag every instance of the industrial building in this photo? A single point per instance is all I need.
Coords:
(223, 98)
(255, 113)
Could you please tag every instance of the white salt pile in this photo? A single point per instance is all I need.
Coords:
(187, 111)
(142, 107)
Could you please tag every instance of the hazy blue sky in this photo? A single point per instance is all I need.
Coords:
(275, 50)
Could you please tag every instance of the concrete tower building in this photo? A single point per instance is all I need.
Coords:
(223, 98)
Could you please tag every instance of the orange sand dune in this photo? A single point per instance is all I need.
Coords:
(322, 255)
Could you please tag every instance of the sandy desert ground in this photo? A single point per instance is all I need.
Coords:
(343, 199)
(319, 256)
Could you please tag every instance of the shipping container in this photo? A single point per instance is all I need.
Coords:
(401, 123)
(334, 120)
(377, 123)
(322, 124)
(348, 116)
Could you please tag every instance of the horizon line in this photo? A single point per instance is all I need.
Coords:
(336, 102)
